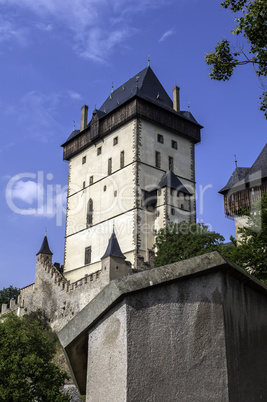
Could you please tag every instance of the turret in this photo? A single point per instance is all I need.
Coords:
(45, 250)
(113, 261)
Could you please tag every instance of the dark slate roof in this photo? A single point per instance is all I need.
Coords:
(241, 176)
(145, 84)
(113, 249)
(170, 180)
(238, 174)
(73, 134)
(45, 247)
(260, 164)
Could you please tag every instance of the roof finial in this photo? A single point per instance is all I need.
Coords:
(188, 106)
(235, 160)
(45, 231)
(73, 125)
(148, 60)
(112, 87)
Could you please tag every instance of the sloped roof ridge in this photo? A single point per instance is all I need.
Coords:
(113, 248)
(169, 179)
(45, 247)
(259, 166)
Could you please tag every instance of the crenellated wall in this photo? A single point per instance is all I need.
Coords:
(53, 294)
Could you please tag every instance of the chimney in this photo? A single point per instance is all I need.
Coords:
(176, 98)
(84, 117)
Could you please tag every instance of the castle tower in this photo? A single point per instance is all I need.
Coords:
(133, 165)
(245, 186)
(45, 250)
(113, 261)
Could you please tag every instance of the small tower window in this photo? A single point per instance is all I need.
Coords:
(115, 193)
(122, 159)
(110, 166)
(84, 184)
(91, 180)
(170, 163)
(115, 141)
(160, 139)
(157, 159)
(87, 255)
(99, 150)
(174, 144)
(90, 212)
(105, 188)
(83, 159)
(172, 211)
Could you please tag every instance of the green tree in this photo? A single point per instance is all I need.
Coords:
(27, 371)
(251, 252)
(179, 241)
(6, 294)
(252, 25)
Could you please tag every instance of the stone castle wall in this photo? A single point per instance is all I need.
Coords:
(54, 295)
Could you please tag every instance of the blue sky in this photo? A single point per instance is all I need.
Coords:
(56, 55)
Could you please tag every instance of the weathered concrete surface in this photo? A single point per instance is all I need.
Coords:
(191, 331)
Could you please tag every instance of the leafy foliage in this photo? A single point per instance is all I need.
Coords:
(252, 25)
(179, 241)
(6, 294)
(27, 372)
(251, 252)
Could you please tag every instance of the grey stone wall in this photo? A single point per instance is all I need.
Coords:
(190, 331)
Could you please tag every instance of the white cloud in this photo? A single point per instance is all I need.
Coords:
(27, 191)
(74, 95)
(10, 31)
(97, 26)
(166, 34)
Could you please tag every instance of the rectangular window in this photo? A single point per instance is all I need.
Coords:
(99, 150)
(122, 159)
(170, 163)
(91, 180)
(157, 159)
(110, 166)
(84, 184)
(87, 255)
(115, 141)
(174, 144)
(160, 139)
(83, 159)
(172, 211)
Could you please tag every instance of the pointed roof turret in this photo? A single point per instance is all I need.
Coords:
(169, 179)
(113, 249)
(45, 247)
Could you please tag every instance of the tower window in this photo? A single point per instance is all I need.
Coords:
(105, 188)
(174, 144)
(84, 184)
(115, 141)
(110, 166)
(157, 159)
(91, 180)
(170, 163)
(90, 212)
(83, 159)
(172, 191)
(172, 211)
(99, 150)
(87, 255)
(160, 139)
(122, 159)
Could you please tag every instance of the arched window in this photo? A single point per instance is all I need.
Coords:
(90, 212)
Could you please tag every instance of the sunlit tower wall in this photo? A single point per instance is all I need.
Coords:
(131, 168)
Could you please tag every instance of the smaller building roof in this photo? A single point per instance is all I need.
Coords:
(45, 248)
(238, 174)
(169, 179)
(113, 248)
(243, 175)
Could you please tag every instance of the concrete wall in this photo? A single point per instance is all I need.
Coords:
(190, 331)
